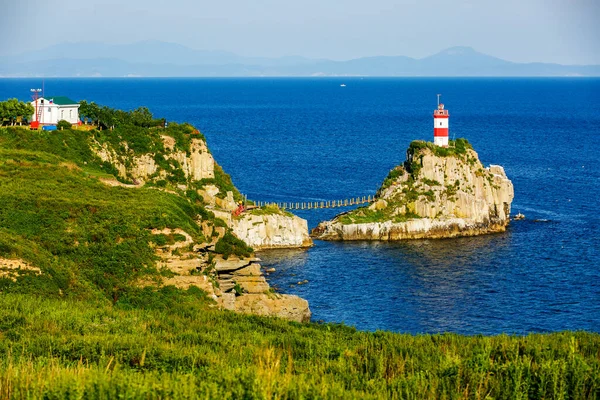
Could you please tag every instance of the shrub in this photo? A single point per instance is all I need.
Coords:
(62, 124)
(230, 245)
(392, 176)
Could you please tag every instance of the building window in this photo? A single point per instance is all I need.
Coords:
(70, 113)
(62, 112)
(49, 109)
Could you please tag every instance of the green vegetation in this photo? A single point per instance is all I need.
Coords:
(222, 180)
(392, 177)
(230, 245)
(107, 117)
(89, 240)
(62, 124)
(456, 147)
(430, 182)
(270, 209)
(13, 111)
(364, 215)
(158, 348)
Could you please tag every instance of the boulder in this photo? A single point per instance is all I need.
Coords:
(252, 284)
(288, 307)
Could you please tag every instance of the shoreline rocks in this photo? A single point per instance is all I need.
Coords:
(272, 231)
(235, 284)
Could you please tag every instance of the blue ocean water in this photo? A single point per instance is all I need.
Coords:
(313, 140)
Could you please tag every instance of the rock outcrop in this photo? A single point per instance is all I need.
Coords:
(197, 164)
(436, 193)
(13, 268)
(262, 228)
(243, 288)
(269, 231)
(235, 284)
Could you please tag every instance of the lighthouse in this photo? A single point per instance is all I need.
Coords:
(440, 125)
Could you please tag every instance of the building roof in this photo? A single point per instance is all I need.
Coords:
(62, 101)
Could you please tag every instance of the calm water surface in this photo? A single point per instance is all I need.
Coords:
(312, 140)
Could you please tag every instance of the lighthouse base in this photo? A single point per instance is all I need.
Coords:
(441, 141)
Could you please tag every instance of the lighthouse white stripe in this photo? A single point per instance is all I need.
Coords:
(441, 141)
(440, 122)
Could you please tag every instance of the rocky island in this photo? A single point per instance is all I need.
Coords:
(438, 192)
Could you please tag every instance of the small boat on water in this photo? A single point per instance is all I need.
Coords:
(343, 85)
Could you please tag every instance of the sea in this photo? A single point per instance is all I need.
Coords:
(312, 139)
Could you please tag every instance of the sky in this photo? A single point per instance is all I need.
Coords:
(560, 31)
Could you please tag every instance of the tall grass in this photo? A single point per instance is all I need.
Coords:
(73, 349)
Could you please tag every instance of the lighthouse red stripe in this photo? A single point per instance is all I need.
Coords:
(440, 131)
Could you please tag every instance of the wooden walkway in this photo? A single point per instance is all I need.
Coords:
(313, 205)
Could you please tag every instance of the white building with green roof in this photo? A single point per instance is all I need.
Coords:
(53, 109)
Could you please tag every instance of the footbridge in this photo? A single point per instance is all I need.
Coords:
(314, 205)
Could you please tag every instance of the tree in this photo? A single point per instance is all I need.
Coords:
(141, 116)
(13, 110)
(89, 110)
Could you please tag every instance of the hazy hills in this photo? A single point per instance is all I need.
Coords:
(161, 59)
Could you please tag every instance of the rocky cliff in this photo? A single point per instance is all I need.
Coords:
(236, 284)
(260, 229)
(436, 193)
(196, 163)
(186, 166)
(271, 229)
(130, 196)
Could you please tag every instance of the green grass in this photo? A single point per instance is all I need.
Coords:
(79, 231)
(270, 209)
(364, 215)
(90, 240)
(230, 245)
(71, 349)
(456, 147)
(392, 177)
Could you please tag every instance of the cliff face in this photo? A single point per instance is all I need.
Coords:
(271, 231)
(196, 164)
(275, 230)
(235, 284)
(436, 193)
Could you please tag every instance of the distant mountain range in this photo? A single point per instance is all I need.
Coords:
(161, 59)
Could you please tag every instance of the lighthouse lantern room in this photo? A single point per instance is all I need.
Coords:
(440, 125)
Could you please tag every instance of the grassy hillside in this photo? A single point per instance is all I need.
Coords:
(83, 328)
(90, 240)
(70, 349)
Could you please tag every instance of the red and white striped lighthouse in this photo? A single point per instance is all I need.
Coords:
(440, 125)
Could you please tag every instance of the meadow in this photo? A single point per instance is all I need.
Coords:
(58, 349)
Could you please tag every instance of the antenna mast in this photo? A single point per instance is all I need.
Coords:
(438, 99)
